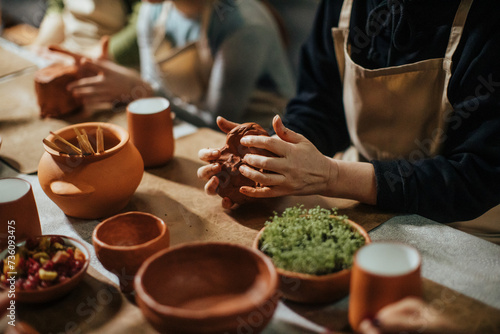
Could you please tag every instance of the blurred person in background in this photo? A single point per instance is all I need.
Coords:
(79, 26)
(216, 58)
(209, 58)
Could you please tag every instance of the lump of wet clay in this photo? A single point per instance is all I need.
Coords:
(50, 86)
(230, 178)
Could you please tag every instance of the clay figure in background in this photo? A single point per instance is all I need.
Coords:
(231, 159)
(51, 82)
(50, 86)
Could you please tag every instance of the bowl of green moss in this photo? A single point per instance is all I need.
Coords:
(312, 250)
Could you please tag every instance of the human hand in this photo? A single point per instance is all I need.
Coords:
(410, 315)
(55, 51)
(51, 54)
(105, 84)
(100, 50)
(298, 169)
(209, 171)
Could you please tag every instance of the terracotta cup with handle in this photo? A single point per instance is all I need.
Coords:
(383, 273)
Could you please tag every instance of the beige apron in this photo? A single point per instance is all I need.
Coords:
(400, 111)
(86, 21)
(185, 70)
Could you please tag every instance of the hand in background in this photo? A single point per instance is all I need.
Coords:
(104, 83)
(107, 85)
(410, 315)
(53, 52)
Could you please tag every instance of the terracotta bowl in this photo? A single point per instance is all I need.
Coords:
(207, 288)
(314, 289)
(123, 242)
(55, 291)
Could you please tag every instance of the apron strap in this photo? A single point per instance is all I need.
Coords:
(159, 29)
(345, 15)
(204, 47)
(457, 28)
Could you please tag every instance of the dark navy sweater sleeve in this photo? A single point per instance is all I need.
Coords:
(463, 181)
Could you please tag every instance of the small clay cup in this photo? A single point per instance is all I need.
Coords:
(383, 273)
(58, 290)
(315, 289)
(123, 242)
(151, 129)
(210, 287)
(19, 218)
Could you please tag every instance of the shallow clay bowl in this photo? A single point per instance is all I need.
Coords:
(314, 289)
(56, 291)
(123, 242)
(207, 288)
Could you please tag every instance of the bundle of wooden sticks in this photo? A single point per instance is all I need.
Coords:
(85, 148)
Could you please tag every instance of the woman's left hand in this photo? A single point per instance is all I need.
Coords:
(298, 169)
(209, 172)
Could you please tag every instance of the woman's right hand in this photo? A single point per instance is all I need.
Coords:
(208, 172)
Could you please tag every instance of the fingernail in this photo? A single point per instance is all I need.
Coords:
(244, 140)
(215, 152)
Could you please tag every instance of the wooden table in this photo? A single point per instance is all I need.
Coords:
(175, 194)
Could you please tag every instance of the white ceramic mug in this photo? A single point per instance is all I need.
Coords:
(19, 218)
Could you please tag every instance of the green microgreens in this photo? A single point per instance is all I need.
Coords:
(312, 241)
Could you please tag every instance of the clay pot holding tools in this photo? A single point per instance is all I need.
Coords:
(90, 170)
